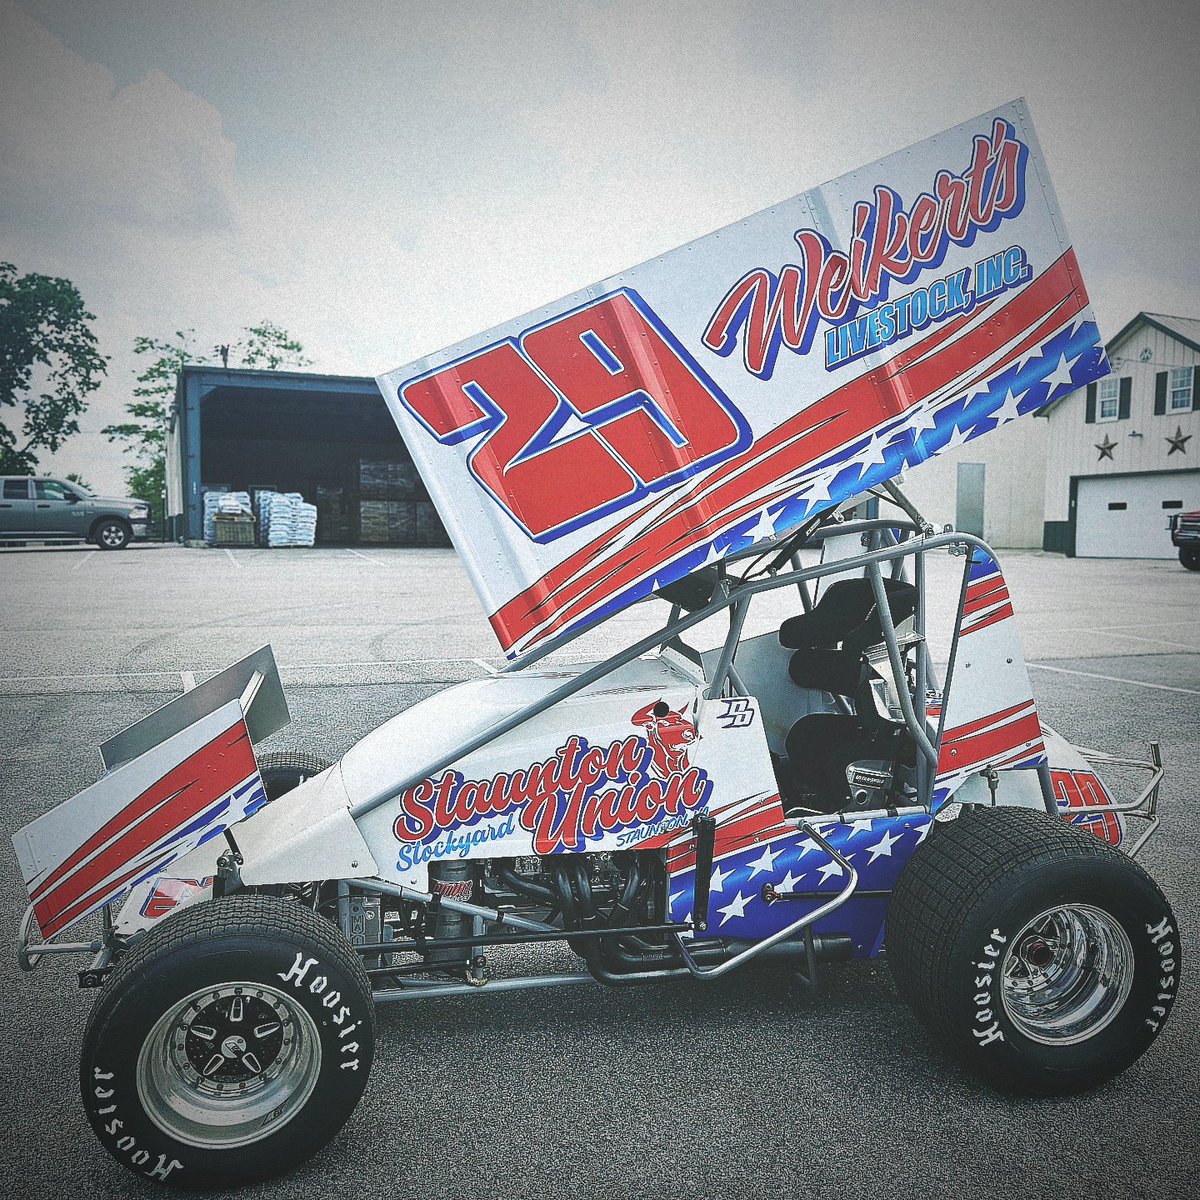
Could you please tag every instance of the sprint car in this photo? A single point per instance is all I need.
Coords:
(819, 790)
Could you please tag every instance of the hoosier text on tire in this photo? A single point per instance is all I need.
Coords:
(1043, 958)
(230, 1045)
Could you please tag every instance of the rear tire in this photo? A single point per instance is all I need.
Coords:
(111, 534)
(231, 1044)
(1043, 959)
(284, 770)
(1190, 557)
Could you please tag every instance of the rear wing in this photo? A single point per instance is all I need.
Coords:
(174, 779)
(585, 455)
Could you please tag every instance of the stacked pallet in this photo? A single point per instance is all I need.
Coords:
(286, 520)
(373, 521)
(394, 507)
(388, 479)
(335, 514)
(221, 500)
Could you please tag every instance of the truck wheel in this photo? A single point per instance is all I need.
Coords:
(112, 534)
(1190, 557)
(1042, 958)
(287, 769)
(231, 1044)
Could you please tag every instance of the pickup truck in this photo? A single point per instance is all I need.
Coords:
(55, 510)
(1185, 534)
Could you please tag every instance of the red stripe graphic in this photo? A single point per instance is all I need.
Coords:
(753, 824)
(1001, 614)
(714, 502)
(179, 796)
(988, 738)
(983, 593)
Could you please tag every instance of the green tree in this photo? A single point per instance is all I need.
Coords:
(75, 477)
(47, 347)
(145, 433)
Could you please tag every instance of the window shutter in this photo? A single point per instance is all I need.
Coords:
(1090, 415)
(1160, 393)
(1126, 402)
(1195, 389)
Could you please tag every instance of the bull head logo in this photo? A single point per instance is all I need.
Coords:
(669, 734)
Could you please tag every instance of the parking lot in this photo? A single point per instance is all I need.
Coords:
(749, 1086)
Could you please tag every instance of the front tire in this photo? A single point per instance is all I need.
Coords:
(112, 534)
(1190, 557)
(231, 1044)
(1043, 959)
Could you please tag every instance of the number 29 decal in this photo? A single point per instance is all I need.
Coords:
(643, 415)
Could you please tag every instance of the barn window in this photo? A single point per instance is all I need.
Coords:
(1109, 397)
(1180, 390)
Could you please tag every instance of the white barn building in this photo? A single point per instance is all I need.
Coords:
(1123, 454)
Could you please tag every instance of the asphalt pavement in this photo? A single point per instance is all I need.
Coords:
(746, 1087)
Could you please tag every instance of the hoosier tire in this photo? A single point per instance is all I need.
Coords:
(284, 770)
(231, 1044)
(1045, 960)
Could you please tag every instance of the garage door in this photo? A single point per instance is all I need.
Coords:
(1126, 517)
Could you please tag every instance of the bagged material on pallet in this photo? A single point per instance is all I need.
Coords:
(304, 523)
(223, 501)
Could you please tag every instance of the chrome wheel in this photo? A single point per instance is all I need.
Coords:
(1067, 974)
(229, 1065)
(112, 536)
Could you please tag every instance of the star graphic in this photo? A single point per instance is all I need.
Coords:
(789, 881)
(1061, 375)
(1179, 441)
(958, 436)
(1009, 410)
(805, 846)
(1106, 449)
(735, 908)
(860, 827)
(673, 897)
(882, 847)
(820, 487)
(764, 529)
(717, 883)
(874, 453)
(922, 416)
(830, 868)
(765, 862)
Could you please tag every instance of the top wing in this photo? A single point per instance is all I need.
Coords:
(588, 453)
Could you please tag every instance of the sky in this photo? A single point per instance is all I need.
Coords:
(385, 179)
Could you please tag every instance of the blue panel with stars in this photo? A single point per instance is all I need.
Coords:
(878, 849)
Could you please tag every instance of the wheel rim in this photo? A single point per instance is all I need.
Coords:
(229, 1065)
(1067, 974)
(112, 535)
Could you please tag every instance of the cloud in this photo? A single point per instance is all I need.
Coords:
(77, 151)
(385, 187)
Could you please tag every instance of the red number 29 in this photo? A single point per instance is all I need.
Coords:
(651, 416)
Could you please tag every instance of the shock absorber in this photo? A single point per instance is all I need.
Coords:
(454, 879)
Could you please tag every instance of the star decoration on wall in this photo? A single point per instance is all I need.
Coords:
(1106, 449)
(1179, 441)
